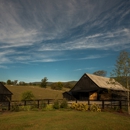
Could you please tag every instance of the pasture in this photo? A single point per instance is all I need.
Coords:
(39, 93)
(63, 120)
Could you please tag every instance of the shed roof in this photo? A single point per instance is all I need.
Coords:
(4, 90)
(104, 82)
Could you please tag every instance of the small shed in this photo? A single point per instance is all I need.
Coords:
(93, 87)
(5, 94)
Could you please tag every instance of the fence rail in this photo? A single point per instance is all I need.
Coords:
(102, 103)
(105, 103)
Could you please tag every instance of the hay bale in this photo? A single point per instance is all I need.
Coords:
(93, 96)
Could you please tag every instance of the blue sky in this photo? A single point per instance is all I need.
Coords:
(61, 40)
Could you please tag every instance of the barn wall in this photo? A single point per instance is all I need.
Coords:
(4, 97)
(85, 84)
(68, 96)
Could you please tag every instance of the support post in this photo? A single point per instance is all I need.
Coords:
(128, 98)
(48, 101)
(38, 103)
(120, 105)
(8, 106)
(24, 102)
(88, 102)
(102, 104)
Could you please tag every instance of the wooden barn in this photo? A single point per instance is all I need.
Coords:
(5, 94)
(92, 87)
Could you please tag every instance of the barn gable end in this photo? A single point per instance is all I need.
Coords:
(5, 94)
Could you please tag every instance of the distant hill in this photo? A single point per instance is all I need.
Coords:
(49, 83)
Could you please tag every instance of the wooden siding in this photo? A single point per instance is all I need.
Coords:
(5, 94)
(85, 84)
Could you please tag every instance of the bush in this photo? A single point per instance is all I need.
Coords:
(94, 107)
(56, 104)
(26, 108)
(80, 106)
(48, 107)
(57, 86)
(64, 104)
(43, 105)
(15, 107)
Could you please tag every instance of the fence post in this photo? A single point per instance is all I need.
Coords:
(102, 104)
(8, 106)
(24, 102)
(88, 102)
(48, 101)
(120, 105)
(38, 103)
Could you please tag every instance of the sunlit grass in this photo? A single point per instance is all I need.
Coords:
(39, 93)
(63, 120)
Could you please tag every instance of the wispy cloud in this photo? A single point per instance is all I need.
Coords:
(39, 31)
(92, 57)
(89, 68)
(3, 67)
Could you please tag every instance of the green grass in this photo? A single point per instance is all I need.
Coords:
(39, 93)
(63, 120)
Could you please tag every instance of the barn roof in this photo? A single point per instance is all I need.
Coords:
(104, 82)
(4, 90)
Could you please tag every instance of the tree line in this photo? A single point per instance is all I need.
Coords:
(43, 84)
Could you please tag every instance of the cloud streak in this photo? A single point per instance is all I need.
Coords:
(50, 28)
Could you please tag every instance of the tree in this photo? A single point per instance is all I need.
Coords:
(44, 82)
(15, 82)
(121, 73)
(100, 73)
(28, 95)
(9, 82)
(68, 85)
(57, 86)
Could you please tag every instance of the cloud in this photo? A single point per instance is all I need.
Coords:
(92, 57)
(42, 31)
(89, 68)
(3, 67)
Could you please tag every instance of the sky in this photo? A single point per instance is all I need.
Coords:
(61, 39)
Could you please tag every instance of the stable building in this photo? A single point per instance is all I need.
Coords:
(93, 87)
(5, 94)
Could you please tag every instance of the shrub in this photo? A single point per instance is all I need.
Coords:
(64, 104)
(15, 107)
(57, 86)
(48, 107)
(43, 105)
(94, 107)
(80, 106)
(56, 104)
(26, 108)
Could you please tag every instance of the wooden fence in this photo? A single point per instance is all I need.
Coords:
(102, 103)
(106, 103)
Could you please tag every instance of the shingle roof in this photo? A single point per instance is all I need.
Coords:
(104, 82)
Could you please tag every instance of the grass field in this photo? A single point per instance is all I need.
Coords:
(63, 120)
(39, 93)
